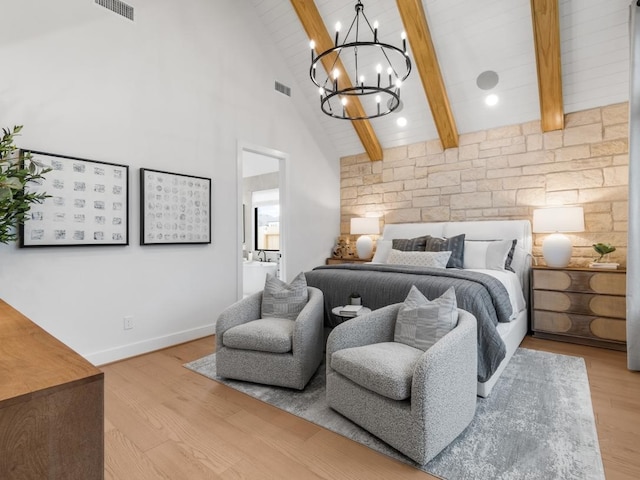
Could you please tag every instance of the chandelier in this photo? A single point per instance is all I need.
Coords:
(379, 71)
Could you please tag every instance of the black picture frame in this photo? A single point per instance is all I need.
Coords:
(88, 204)
(175, 208)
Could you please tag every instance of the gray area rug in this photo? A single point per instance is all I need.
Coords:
(537, 423)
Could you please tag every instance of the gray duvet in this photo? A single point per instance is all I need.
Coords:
(380, 285)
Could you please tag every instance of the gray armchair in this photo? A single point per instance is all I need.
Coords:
(272, 351)
(439, 384)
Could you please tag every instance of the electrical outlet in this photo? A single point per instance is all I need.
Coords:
(128, 322)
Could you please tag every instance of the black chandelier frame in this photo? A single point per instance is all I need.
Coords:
(329, 89)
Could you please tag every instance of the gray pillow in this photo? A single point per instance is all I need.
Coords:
(410, 244)
(422, 322)
(507, 263)
(284, 300)
(455, 245)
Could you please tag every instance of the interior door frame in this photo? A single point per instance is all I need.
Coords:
(283, 176)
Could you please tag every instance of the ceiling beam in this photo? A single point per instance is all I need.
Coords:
(546, 37)
(316, 31)
(424, 54)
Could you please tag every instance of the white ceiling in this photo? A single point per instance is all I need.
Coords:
(471, 36)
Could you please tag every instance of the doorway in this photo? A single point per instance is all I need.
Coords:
(261, 216)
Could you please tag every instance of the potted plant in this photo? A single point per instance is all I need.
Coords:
(355, 299)
(16, 171)
(603, 249)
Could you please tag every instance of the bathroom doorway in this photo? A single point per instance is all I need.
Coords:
(262, 216)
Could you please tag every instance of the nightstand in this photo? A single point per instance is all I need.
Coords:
(337, 261)
(580, 305)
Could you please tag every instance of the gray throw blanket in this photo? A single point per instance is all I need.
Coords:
(381, 284)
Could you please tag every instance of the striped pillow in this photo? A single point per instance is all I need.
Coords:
(410, 244)
(284, 300)
(455, 245)
(422, 322)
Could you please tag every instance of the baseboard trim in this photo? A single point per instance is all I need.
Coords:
(149, 345)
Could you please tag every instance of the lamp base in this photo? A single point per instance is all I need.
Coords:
(364, 247)
(556, 250)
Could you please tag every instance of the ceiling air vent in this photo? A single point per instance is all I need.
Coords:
(118, 7)
(282, 88)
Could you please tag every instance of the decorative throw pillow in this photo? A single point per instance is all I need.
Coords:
(419, 259)
(410, 244)
(455, 245)
(422, 322)
(492, 255)
(507, 263)
(383, 249)
(284, 300)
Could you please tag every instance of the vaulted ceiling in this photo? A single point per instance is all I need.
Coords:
(551, 56)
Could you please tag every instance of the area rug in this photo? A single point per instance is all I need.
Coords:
(537, 423)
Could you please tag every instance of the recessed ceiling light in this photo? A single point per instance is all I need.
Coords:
(401, 121)
(487, 80)
(491, 99)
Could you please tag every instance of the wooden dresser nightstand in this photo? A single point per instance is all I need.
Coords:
(580, 305)
(337, 261)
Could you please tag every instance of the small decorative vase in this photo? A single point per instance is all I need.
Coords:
(355, 299)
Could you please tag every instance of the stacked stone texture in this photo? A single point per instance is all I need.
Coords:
(504, 173)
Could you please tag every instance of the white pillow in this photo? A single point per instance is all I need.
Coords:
(490, 255)
(419, 259)
(383, 249)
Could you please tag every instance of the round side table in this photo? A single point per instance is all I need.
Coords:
(344, 318)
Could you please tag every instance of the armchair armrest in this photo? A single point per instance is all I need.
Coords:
(375, 327)
(309, 323)
(243, 311)
(444, 384)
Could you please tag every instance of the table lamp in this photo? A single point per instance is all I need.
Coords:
(556, 248)
(365, 226)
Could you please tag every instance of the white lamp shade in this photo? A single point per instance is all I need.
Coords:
(556, 248)
(365, 226)
(558, 219)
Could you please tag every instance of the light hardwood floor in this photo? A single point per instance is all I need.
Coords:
(163, 421)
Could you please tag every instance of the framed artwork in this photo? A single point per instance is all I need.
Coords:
(88, 204)
(175, 208)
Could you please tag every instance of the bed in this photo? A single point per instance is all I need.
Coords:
(498, 297)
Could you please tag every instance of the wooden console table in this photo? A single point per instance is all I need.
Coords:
(51, 406)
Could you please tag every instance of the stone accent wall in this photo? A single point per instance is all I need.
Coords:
(504, 173)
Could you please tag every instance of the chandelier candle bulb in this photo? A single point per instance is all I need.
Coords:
(338, 27)
(403, 35)
(375, 31)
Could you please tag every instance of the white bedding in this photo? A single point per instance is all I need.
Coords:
(517, 284)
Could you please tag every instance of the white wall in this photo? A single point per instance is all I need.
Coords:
(175, 90)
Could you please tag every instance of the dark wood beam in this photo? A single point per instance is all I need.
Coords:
(426, 61)
(316, 31)
(546, 37)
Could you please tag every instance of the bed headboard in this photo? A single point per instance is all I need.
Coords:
(475, 230)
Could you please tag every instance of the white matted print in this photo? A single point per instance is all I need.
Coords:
(175, 208)
(88, 204)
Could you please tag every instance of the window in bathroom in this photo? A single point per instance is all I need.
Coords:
(266, 219)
